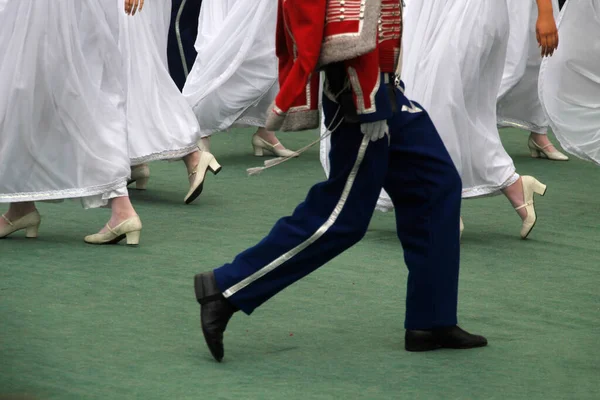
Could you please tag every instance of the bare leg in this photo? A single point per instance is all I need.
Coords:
(516, 196)
(17, 211)
(269, 137)
(542, 141)
(191, 161)
(122, 209)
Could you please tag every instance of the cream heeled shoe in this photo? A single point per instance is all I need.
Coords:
(461, 227)
(207, 162)
(531, 186)
(130, 229)
(140, 174)
(260, 146)
(30, 222)
(538, 151)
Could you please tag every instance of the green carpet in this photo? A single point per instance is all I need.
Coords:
(83, 322)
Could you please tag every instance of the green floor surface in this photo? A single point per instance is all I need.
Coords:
(83, 322)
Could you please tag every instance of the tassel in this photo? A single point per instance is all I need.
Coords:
(274, 161)
(255, 171)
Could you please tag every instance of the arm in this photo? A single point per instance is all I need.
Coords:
(546, 32)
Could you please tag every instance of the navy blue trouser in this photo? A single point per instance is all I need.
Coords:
(182, 37)
(416, 170)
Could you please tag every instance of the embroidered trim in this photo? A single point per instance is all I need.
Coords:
(488, 191)
(505, 122)
(346, 46)
(318, 234)
(65, 193)
(164, 155)
(360, 101)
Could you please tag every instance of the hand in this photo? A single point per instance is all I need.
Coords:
(133, 6)
(374, 130)
(546, 33)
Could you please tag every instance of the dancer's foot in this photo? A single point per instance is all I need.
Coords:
(114, 232)
(198, 163)
(140, 174)
(264, 140)
(541, 147)
(18, 217)
(521, 194)
(124, 223)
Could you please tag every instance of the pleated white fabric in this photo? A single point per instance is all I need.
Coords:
(234, 78)
(570, 80)
(160, 123)
(518, 101)
(454, 54)
(62, 116)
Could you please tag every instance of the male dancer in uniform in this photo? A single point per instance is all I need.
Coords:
(380, 139)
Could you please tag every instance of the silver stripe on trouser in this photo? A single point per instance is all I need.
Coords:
(179, 41)
(318, 234)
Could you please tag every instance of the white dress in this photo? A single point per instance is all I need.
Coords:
(570, 80)
(234, 77)
(62, 118)
(518, 101)
(454, 53)
(160, 122)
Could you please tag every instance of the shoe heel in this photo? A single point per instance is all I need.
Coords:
(534, 153)
(133, 238)
(31, 232)
(214, 166)
(539, 188)
(258, 151)
(141, 184)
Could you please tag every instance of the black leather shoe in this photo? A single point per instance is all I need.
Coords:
(451, 337)
(215, 312)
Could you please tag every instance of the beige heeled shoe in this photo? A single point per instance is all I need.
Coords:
(30, 222)
(531, 186)
(140, 174)
(130, 228)
(260, 146)
(461, 227)
(207, 162)
(538, 151)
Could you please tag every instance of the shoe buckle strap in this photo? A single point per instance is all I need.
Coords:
(529, 203)
(8, 221)
(111, 230)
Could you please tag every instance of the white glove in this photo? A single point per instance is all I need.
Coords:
(374, 130)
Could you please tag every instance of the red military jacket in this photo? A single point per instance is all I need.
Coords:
(363, 34)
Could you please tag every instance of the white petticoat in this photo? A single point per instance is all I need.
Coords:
(62, 120)
(234, 77)
(570, 80)
(160, 123)
(518, 101)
